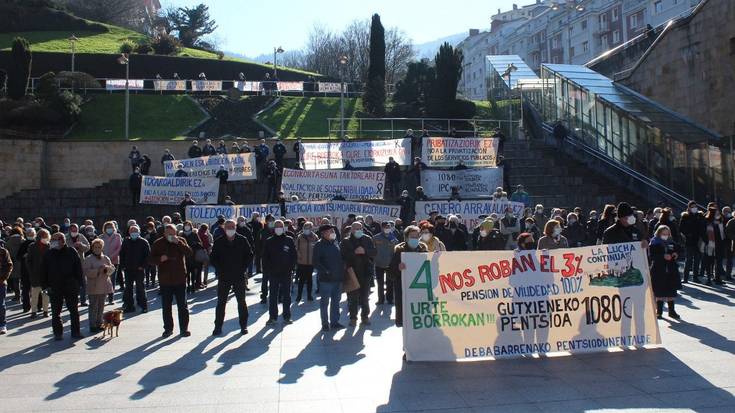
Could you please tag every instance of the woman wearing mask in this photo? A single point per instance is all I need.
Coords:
(488, 237)
(412, 236)
(606, 221)
(305, 242)
(112, 245)
(207, 243)
(574, 231)
(427, 237)
(714, 246)
(667, 219)
(664, 271)
(36, 252)
(525, 242)
(150, 234)
(532, 229)
(552, 238)
(193, 265)
(97, 268)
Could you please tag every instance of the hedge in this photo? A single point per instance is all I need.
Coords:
(102, 65)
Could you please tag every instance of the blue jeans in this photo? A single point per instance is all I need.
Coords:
(331, 293)
(3, 290)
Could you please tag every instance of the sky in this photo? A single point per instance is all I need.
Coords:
(256, 27)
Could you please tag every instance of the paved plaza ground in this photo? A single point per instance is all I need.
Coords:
(296, 368)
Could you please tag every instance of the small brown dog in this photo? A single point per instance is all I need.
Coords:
(111, 319)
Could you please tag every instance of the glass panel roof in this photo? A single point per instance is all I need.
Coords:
(500, 63)
(635, 106)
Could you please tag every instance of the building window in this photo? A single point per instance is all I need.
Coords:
(555, 43)
(616, 36)
(603, 21)
(571, 51)
(603, 40)
(584, 24)
(658, 7)
(585, 46)
(615, 14)
(634, 21)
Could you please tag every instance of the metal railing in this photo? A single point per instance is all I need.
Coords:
(359, 128)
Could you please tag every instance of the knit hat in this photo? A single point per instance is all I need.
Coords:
(624, 210)
(487, 225)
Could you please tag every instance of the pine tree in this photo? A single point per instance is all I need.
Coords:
(374, 97)
(448, 67)
(19, 70)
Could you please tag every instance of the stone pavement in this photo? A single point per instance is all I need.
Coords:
(296, 368)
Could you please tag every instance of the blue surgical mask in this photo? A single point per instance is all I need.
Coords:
(271, 224)
(134, 235)
(109, 231)
(413, 242)
(307, 232)
(358, 233)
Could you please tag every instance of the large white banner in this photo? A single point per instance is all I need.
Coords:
(361, 154)
(495, 304)
(325, 184)
(169, 84)
(447, 152)
(162, 190)
(248, 86)
(119, 84)
(206, 85)
(313, 211)
(469, 211)
(472, 183)
(329, 87)
(291, 86)
(240, 166)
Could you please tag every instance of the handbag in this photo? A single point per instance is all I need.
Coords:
(201, 255)
(350, 284)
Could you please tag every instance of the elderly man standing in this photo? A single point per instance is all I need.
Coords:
(231, 256)
(358, 252)
(169, 254)
(62, 276)
(133, 262)
(330, 271)
(279, 259)
(81, 245)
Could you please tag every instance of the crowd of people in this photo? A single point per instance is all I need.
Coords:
(77, 265)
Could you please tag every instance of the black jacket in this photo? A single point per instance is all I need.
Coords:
(231, 258)
(223, 176)
(61, 270)
(494, 241)
(693, 227)
(392, 172)
(456, 241)
(279, 150)
(135, 181)
(618, 234)
(195, 151)
(362, 264)
(134, 254)
(279, 256)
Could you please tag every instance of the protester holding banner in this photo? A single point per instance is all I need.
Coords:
(392, 177)
(574, 231)
(327, 260)
(427, 237)
(305, 242)
(412, 244)
(489, 237)
(358, 252)
(194, 150)
(279, 259)
(209, 149)
(624, 229)
(167, 156)
(552, 238)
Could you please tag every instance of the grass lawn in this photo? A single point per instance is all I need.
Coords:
(307, 116)
(152, 117)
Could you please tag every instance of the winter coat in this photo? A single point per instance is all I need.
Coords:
(279, 255)
(34, 259)
(549, 243)
(384, 246)
(134, 254)
(83, 244)
(61, 270)
(327, 260)
(113, 244)
(664, 274)
(173, 271)
(362, 264)
(575, 235)
(98, 282)
(231, 258)
(6, 265)
(305, 248)
(12, 244)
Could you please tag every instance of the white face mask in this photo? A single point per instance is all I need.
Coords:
(230, 233)
(387, 231)
(483, 233)
(631, 220)
(426, 237)
(693, 210)
(73, 234)
(332, 236)
(572, 221)
(664, 237)
(278, 231)
(241, 224)
(557, 231)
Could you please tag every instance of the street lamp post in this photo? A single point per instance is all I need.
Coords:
(276, 50)
(570, 6)
(73, 40)
(343, 63)
(124, 59)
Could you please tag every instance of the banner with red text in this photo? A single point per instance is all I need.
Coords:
(494, 304)
(447, 152)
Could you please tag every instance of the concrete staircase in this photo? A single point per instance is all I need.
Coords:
(555, 180)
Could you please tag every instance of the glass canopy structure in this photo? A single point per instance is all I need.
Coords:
(637, 132)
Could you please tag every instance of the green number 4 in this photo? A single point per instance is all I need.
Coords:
(425, 270)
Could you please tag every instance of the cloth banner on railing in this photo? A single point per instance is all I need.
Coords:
(118, 84)
(361, 154)
(206, 85)
(473, 305)
(162, 190)
(313, 211)
(239, 166)
(469, 211)
(329, 87)
(291, 86)
(248, 86)
(472, 183)
(169, 84)
(325, 184)
(447, 152)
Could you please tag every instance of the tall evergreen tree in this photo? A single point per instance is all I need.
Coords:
(19, 70)
(448, 67)
(374, 97)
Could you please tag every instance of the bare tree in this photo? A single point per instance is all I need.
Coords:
(399, 53)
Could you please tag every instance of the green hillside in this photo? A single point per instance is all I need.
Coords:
(152, 117)
(307, 116)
